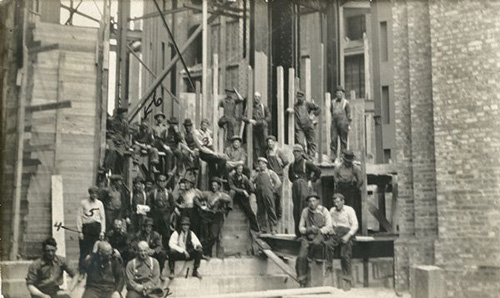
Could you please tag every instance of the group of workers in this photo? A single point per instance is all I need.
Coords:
(172, 219)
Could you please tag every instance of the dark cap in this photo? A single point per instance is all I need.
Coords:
(160, 114)
(340, 88)
(173, 120)
(338, 195)
(301, 92)
(216, 179)
(233, 90)
(187, 179)
(262, 159)
(348, 155)
(185, 221)
(161, 178)
(138, 180)
(234, 138)
(121, 110)
(205, 121)
(148, 221)
(93, 189)
(271, 137)
(188, 122)
(312, 195)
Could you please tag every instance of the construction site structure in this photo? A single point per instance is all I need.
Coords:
(408, 131)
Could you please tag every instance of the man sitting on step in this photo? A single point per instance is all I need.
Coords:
(143, 274)
(45, 275)
(314, 226)
(184, 245)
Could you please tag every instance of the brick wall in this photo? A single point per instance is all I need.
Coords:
(466, 93)
(446, 60)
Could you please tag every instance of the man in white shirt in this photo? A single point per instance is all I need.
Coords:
(344, 227)
(184, 245)
(90, 223)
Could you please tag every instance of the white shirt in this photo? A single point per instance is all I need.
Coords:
(346, 217)
(177, 241)
(200, 135)
(90, 212)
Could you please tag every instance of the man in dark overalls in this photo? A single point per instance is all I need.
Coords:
(260, 121)
(117, 144)
(162, 205)
(277, 160)
(315, 225)
(304, 126)
(348, 179)
(267, 183)
(116, 202)
(231, 120)
(302, 173)
(341, 121)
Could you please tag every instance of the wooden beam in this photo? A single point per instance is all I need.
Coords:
(198, 116)
(266, 249)
(394, 204)
(328, 120)
(204, 57)
(215, 101)
(49, 106)
(321, 105)
(59, 116)
(157, 14)
(291, 103)
(379, 216)
(43, 48)
(73, 10)
(121, 96)
(280, 78)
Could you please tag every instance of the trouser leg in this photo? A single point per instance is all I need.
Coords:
(196, 256)
(277, 205)
(334, 134)
(346, 260)
(301, 264)
(247, 209)
(311, 141)
(296, 213)
(261, 213)
(91, 233)
(270, 211)
(300, 137)
(343, 131)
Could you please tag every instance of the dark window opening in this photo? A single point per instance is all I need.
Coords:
(355, 75)
(356, 26)
(384, 46)
(386, 111)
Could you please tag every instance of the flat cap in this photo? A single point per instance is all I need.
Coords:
(271, 137)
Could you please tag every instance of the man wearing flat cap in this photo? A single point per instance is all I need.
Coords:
(267, 183)
(117, 144)
(344, 227)
(341, 121)
(302, 173)
(260, 121)
(348, 179)
(212, 207)
(90, 223)
(162, 205)
(235, 153)
(231, 120)
(315, 225)
(304, 126)
(277, 160)
(240, 190)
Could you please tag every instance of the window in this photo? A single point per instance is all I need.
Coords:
(387, 155)
(386, 111)
(355, 75)
(384, 47)
(356, 26)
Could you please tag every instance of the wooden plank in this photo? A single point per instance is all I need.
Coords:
(328, 120)
(49, 106)
(379, 216)
(280, 97)
(261, 80)
(266, 249)
(250, 92)
(43, 48)
(291, 102)
(307, 82)
(59, 119)
(204, 57)
(215, 101)
(321, 105)
(57, 207)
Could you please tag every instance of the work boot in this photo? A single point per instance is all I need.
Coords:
(172, 272)
(196, 274)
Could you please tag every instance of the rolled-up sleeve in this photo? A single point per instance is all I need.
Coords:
(302, 223)
(32, 277)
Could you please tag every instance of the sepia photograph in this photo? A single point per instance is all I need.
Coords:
(250, 148)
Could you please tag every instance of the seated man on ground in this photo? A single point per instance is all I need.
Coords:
(344, 226)
(104, 267)
(45, 275)
(143, 274)
(184, 245)
(314, 226)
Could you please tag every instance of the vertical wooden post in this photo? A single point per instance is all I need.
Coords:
(215, 101)
(381, 202)
(222, 50)
(57, 204)
(368, 75)
(121, 96)
(198, 104)
(204, 58)
(291, 102)
(321, 118)
(59, 116)
(394, 204)
(341, 46)
(249, 114)
(280, 97)
(328, 120)
(307, 82)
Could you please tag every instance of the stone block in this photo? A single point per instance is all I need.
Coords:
(427, 282)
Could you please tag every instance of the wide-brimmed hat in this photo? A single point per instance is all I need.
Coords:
(160, 114)
(187, 179)
(188, 122)
(115, 177)
(338, 195)
(148, 221)
(271, 137)
(185, 221)
(216, 179)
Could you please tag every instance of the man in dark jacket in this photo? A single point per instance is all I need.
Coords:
(240, 190)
